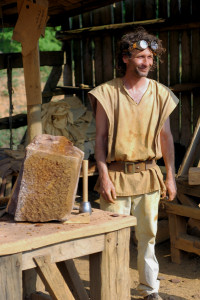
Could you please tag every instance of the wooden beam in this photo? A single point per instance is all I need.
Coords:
(47, 58)
(17, 121)
(191, 152)
(51, 83)
(184, 188)
(182, 210)
(52, 279)
(78, 33)
(64, 251)
(186, 200)
(153, 24)
(194, 176)
(33, 93)
(188, 243)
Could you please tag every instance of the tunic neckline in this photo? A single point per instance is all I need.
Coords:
(131, 99)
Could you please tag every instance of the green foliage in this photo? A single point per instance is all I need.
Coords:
(17, 135)
(48, 43)
(7, 45)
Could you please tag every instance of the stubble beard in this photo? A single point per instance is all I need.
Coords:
(142, 73)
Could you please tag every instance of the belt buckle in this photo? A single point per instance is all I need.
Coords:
(126, 167)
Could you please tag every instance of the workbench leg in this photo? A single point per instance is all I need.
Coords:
(31, 283)
(177, 225)
(11, 277)
(70, 274)
(109, 270)
(52, 278)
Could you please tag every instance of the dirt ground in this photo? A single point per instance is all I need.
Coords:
(176, 281)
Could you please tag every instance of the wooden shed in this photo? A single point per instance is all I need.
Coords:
(89, 33)
(90, 30)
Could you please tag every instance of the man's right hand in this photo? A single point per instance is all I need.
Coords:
(107, 190)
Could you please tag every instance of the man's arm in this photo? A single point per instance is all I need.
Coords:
(167, 146)
(106, 186)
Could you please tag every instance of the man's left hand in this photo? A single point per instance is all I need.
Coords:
(171, 188)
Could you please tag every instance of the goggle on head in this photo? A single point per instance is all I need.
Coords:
(142, 45)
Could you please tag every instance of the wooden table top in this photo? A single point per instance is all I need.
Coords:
(17, 237)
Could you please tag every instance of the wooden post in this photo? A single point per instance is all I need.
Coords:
(109, 270)
(31, 66)
(11, 277)
(177, 226)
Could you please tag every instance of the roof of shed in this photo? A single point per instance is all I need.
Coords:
(58, 10)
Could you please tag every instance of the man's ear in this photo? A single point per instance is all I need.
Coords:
(125, 58)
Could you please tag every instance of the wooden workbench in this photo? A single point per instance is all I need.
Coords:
(45, 246)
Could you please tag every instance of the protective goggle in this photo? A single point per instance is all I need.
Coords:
(142, 45)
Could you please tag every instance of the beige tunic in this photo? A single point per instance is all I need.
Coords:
(134, 132)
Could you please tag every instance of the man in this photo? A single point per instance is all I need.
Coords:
(132, 132)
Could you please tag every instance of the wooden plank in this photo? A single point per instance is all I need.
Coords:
(194, 176)
(195, 66)
(186, 124)
(87, 53)
(51, 83)
(107, 43)
(106, 271)
(184, 188)
(101, 54)
(27, 236)
(163, 66)
(186, 200)
(47, 58)
(67, 48)
(77, 54)
(191, 151)
(72, 279)
(108, 28)
(52, 279)
(182, 210)
(139, 10)
(174, 67)
(129, 10)
(88, 69)
(118, 12)
(65, 251)
(177, 226)
(11, 277)
(188, 243)
(163, 9)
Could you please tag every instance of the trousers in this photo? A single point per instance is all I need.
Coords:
(145, 209)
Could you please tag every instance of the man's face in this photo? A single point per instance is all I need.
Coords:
(139, 63)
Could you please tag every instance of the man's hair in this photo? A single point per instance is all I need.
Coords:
(126, 43)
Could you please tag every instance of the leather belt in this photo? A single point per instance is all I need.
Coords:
(129, 167)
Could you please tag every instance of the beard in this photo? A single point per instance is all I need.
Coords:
(142, 72)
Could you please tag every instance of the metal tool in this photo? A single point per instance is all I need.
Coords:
(85, 206)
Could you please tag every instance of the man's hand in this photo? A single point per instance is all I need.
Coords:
(107, 190)
(171, 188)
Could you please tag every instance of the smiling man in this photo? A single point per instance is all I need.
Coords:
(132, 133)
